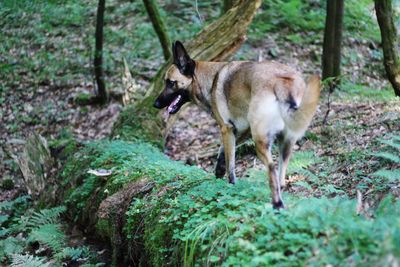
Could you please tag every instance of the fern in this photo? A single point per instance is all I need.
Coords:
(10, 246)
(27, 261)
(388, 156)
(9, 205)
(49, 235)
(390, 175)
(300, 161)
(392, 143)
(73, 253)
(45, 216)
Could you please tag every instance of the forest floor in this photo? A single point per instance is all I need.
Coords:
(45, 68)
(34, 99)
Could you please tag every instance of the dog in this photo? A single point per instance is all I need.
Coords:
(267, 100)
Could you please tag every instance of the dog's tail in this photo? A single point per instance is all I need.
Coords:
(303, 116)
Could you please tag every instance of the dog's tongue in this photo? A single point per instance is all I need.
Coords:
(172, 106)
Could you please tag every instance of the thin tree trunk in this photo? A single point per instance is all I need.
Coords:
(384, 14)
(159, 26)
(338, 37)
(102, 93)
(215, 42)
(331, 55)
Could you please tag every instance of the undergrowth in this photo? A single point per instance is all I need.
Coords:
(296, 16)
(189, 218)
(36, 238)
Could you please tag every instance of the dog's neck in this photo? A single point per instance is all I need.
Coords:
(204, 76)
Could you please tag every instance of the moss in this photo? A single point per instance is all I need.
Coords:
(84, 99)
(140, 124)
(158, 212)
(7, 184)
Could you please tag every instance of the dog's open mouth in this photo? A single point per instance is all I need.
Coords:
(175, 104)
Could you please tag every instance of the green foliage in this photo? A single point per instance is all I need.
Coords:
(390, 156)
(27, 261)
(215, 223)
(7, 184)
(295, 15)
(298, 16)
(45, 217)
(128, 161)
(357, 92)
(192, 219)
(49, 235)
(24, 228)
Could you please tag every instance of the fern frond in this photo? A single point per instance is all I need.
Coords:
(45, 216)
(11, 245)
(8, 205)
(300, 161)
(49, 235)
(73, 253)
(391, 143)
(390, 175)
(388, 156)
(395, 137)
(19, 260)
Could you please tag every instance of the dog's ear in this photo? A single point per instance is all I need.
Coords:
(182, 59)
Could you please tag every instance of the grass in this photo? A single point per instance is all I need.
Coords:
(297, 16)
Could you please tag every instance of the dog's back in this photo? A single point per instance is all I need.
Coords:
(269, 93)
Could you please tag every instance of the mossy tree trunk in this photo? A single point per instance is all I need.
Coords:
(228, 4)
(216, 42)
(102, 94)
(384, 14)
(331, 55)
(159, 26)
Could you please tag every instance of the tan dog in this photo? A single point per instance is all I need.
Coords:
(267, 100)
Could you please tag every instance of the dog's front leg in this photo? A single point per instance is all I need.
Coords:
(220, 168)
(229, 140)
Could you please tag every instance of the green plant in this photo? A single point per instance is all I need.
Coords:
(24, 228)
(27, 261)
(389, 154)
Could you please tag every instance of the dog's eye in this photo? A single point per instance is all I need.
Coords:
(170, 83)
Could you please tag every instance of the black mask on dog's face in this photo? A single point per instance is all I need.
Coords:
(178, 79)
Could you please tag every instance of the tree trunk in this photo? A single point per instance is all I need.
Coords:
(331, 55)
(159, 26)
(215, 42)
(102, 94)
(384, 14)
(228, 4)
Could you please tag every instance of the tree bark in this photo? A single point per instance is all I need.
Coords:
(215, 42)
(102, 94)
(228, 4)
(159, 26)
(331, 55)
(384, 14)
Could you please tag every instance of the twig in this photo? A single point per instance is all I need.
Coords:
(198, 13)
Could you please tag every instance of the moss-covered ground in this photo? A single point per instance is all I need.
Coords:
(181, 215)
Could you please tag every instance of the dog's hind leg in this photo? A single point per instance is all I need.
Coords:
(285, 151)
(220, 168)
(229, 142)
(263, 149)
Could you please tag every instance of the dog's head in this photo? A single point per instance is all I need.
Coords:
(178, 80)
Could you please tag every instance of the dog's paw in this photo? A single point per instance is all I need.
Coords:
(220, 172)
(278, 205)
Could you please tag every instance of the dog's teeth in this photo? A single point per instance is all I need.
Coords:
(172, 105)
